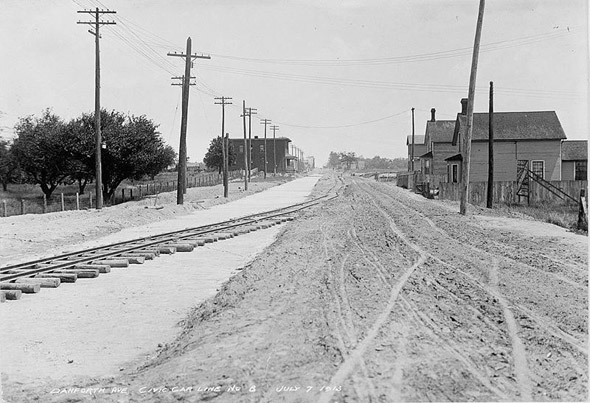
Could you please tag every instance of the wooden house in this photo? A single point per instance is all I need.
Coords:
(419, 149)
(521, 139)
(574, 160)
(438, 139)
(277, 150)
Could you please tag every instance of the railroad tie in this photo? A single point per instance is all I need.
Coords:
(182, 247)
(43, 282)
(64, 277)
(113, 262)
(25, 288)
(81, 273)
(102, 268)
(10, 294)
(132, 259)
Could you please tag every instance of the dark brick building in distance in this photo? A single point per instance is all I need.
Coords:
(278, 147)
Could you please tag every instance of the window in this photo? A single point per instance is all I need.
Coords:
(538, 168)
(455, 173)
(581, 170)
(427, 166)
(241, 148)
(261, 148)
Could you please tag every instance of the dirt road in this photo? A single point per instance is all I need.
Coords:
(379, 296)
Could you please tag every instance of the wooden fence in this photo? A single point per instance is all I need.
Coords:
(505, 192)
(63, 202)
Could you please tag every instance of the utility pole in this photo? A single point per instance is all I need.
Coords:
(98, 136)
(490, 200)
(274, 129)
(250, 112)
(245, 147)
(464, 190)
(226, 166)
(225, 153)
(412, 152)
(265, 122)
(188, 58)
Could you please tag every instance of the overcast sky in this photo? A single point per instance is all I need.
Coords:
(334, 75)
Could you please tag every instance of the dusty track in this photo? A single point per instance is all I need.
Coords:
(380, 296)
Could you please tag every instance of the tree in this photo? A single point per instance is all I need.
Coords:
(348, 158)
(39, 150)
(214, 156)
(333, 160)
(132, 148)
(8, 165)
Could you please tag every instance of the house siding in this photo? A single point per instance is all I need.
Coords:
(419, 149)
(506, 155)
(441, 151)
(568, 170)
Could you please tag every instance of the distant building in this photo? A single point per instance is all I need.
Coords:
(310, 162)
(276, 150)
(438, 145)
(419, 149)
(574, 160)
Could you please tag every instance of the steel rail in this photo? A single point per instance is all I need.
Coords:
(31, 268)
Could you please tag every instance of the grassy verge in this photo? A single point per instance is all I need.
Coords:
(563, 215)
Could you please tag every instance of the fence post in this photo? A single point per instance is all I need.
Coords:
(44, 203)
(131, 193)
(90, 199)
(63, 204)
(582, 212)
(140, 191)
(22, 206)
(4, 213)
(77, 201)
(123, 195)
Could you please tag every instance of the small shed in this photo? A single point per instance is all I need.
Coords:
(574, 160)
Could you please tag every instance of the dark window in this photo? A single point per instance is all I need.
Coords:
(538, 168)
(581, 170)
(455, 173)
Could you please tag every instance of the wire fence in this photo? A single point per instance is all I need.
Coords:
(67, 202)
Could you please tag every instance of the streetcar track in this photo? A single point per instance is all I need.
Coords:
(92, 261)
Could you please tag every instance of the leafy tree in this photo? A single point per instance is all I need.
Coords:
(39, 150)
(333, 160)
(348, 158)
(214, 156)
(132, 148)
(8, 165)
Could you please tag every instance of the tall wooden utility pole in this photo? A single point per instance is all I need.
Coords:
(226, 165)
(470, 100)
(412, 153)
(246, 167)
(490, 200)
(274, 129)
(98, 136)
(265, 122)
(250, 112)
(188, 59)
(225, 153)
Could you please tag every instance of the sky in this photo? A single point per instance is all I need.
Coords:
(334, 75)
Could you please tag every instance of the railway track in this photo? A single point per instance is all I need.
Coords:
(30, 277)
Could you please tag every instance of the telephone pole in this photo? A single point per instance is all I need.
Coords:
(250, 112)
(412, 153)
(224, 151)
(245, 147)
(274, 128)
(464, 190)
(265, 122)
(490, 200)
(98, 136)
(188, 57)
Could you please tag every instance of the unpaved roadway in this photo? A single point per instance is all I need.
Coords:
(379, 296)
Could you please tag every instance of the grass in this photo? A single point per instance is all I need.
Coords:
(563, 215)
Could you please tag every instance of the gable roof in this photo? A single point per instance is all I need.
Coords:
(439, 131)
(574, 150)
(418, 139)
(537, 125)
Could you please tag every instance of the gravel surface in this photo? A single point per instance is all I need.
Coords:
(379, 295)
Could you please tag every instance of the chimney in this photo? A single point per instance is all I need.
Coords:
(464, 106)
(432, 115)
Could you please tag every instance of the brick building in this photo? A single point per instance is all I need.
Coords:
(277, 150)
